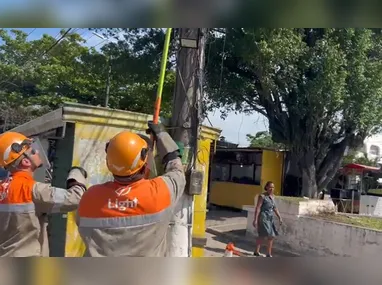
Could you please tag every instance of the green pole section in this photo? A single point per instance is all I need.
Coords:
(164, 63)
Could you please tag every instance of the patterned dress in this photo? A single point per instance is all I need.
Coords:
(266, 224)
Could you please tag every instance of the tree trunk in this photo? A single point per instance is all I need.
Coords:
(308, 171)
(327, 171)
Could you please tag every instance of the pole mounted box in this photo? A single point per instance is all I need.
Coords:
(195, 182)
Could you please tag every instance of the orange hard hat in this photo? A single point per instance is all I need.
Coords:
(12, 146)
(126, 154)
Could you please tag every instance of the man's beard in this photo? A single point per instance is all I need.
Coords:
(36, 166)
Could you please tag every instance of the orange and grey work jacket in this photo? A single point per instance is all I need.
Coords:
(22, 202)
(133, 219)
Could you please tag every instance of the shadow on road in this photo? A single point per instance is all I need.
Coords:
(230, 236)
(243, 243)
(222, 214)
(215, 249)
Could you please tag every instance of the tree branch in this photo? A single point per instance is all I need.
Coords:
(331, 162)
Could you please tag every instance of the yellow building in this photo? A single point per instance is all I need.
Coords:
(239, 174)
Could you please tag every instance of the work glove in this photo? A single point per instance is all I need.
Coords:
(155, 129)
(171, 156)
(168, 149)
(77, 176)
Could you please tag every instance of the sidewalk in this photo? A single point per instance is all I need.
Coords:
(224, 227)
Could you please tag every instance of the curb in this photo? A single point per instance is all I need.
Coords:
(247, 240)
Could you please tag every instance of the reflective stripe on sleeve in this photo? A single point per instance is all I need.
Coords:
(17, 208)
(124, 222)
(59, 195)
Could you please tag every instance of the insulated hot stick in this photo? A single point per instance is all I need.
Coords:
(160, 87)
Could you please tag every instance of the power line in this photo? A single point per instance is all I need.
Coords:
(83, 33)
(57, 42)
(56, 36)
(99, 43)
(222, 65)
(92, 35)
(238, 133)
(42, 54)
(31, 32)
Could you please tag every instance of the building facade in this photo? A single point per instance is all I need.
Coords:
(372, 147)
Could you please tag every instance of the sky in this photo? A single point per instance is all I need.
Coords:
(234, 128)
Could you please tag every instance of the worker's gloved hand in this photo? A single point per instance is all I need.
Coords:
(155, 129)
(171, 156)
(168, 150)
(77, 176)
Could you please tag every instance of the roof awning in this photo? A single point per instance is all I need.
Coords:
(359, 168)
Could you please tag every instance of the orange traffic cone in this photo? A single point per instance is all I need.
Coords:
(230, 250)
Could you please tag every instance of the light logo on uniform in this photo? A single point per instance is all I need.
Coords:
(123, 191)
(122, 205)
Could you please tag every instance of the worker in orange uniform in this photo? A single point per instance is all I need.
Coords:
(23, 200)
(130, 216)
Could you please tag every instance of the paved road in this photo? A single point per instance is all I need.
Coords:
(224, 226)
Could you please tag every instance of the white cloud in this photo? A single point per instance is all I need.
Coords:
(236, 126)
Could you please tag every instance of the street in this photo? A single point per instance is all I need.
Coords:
(224, 226)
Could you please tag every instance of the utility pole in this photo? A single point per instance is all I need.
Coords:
(185, 124)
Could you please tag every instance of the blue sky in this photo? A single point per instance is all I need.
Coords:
(85, 33)
(234, 127)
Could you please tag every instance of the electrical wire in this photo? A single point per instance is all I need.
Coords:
(57, 42)
(56, 36)
(207, 64)
(83, 33)
(41, 55)
(238, 133)
(100, 43)
(222, 64)
(31, 32)
(92, 35)
(208, 119)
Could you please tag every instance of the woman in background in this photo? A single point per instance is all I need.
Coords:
(264, 219)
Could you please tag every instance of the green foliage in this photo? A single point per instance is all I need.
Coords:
(321, 89)
(136, 60)
(263, 139)
(354, 157)
(32, 73)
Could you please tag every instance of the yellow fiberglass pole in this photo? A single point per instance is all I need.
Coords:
(160, 85)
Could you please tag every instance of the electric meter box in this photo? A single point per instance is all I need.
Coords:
(195, 182)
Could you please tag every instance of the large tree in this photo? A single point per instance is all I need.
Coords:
(137, 55)
(263, 139)
(39, 75)
(321, 89)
